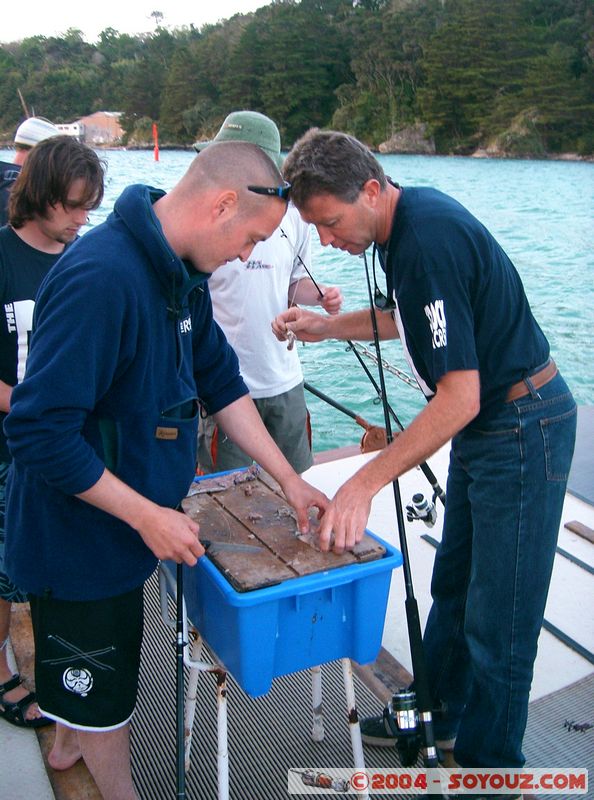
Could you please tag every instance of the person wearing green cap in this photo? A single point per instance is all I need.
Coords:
(246, 295)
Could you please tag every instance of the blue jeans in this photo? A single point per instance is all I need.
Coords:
(505, 492)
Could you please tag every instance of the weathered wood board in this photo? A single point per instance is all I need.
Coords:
(248, 508)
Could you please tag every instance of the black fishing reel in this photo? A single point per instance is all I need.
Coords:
(423, 509)
(403, 719)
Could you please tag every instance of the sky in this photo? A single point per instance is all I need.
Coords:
(41, 17)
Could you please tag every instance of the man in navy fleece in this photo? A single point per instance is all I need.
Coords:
(103, 433)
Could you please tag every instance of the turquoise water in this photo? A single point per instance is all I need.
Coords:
(541, 212)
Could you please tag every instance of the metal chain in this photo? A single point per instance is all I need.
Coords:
(360, 348)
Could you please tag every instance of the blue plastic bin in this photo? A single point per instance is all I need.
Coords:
(297, 624)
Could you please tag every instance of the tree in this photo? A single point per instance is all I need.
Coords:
(158, 18)
(180, 91)
(519, 72)
(287, 64)
(388, 50)
(476, 56)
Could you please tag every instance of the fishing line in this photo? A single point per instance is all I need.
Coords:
(302, 262)
(241, 309)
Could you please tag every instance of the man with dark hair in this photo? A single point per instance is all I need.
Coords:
(457, 303)
(103, 433)
(59, 183)
(29, 133)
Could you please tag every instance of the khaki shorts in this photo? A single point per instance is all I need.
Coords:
(286, 419)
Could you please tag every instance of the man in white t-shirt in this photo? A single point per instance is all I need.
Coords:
(246, 296)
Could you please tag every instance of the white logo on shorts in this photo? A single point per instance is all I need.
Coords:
(79, 681)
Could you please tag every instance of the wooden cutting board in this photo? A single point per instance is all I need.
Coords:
(247, 507)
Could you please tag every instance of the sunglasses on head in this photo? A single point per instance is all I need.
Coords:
(272, 191)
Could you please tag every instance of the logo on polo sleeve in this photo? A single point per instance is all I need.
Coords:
(437, 321)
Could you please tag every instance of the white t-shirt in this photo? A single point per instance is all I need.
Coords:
(248, 295)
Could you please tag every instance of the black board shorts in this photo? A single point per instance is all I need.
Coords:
(87, 659)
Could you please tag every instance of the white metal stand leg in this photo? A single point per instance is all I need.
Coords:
(317, 733)
(317, 729)
(353, 717)
(222, 738)
(191, 696)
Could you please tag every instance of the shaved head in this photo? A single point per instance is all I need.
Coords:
(231, 165)
(211, 216)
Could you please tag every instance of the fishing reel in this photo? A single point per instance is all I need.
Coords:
(423, 509)
(403, 720)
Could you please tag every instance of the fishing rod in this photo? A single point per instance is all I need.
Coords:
(424, 467)
(179, 686)
(421, 695)
(421, 681)
(302, 262)
(374, 437)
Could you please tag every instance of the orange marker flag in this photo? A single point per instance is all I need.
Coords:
(156, 140)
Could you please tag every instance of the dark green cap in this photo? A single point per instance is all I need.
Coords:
(249, 126)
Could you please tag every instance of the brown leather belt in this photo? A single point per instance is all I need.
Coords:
(537, 380)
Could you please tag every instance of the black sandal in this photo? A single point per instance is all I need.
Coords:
(15, 712)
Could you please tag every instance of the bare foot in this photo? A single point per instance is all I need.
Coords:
(66, 750)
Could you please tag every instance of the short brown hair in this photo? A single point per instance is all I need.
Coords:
(329, 162)
(47, 175)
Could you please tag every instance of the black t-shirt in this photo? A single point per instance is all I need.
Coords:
(8, 175)
(460, 301)
(22, 268)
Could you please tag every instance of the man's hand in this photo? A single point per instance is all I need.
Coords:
(455, 404)
(346, 517)
(303, 496)
(331, 300)
(306, 325)
(171, 535)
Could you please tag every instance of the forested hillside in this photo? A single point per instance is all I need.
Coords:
(515, 76)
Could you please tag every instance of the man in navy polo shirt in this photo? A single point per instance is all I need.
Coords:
(457, 304)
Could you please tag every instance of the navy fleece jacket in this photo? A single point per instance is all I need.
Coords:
(124, 344)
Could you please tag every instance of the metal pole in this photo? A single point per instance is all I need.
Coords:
(179, 686)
